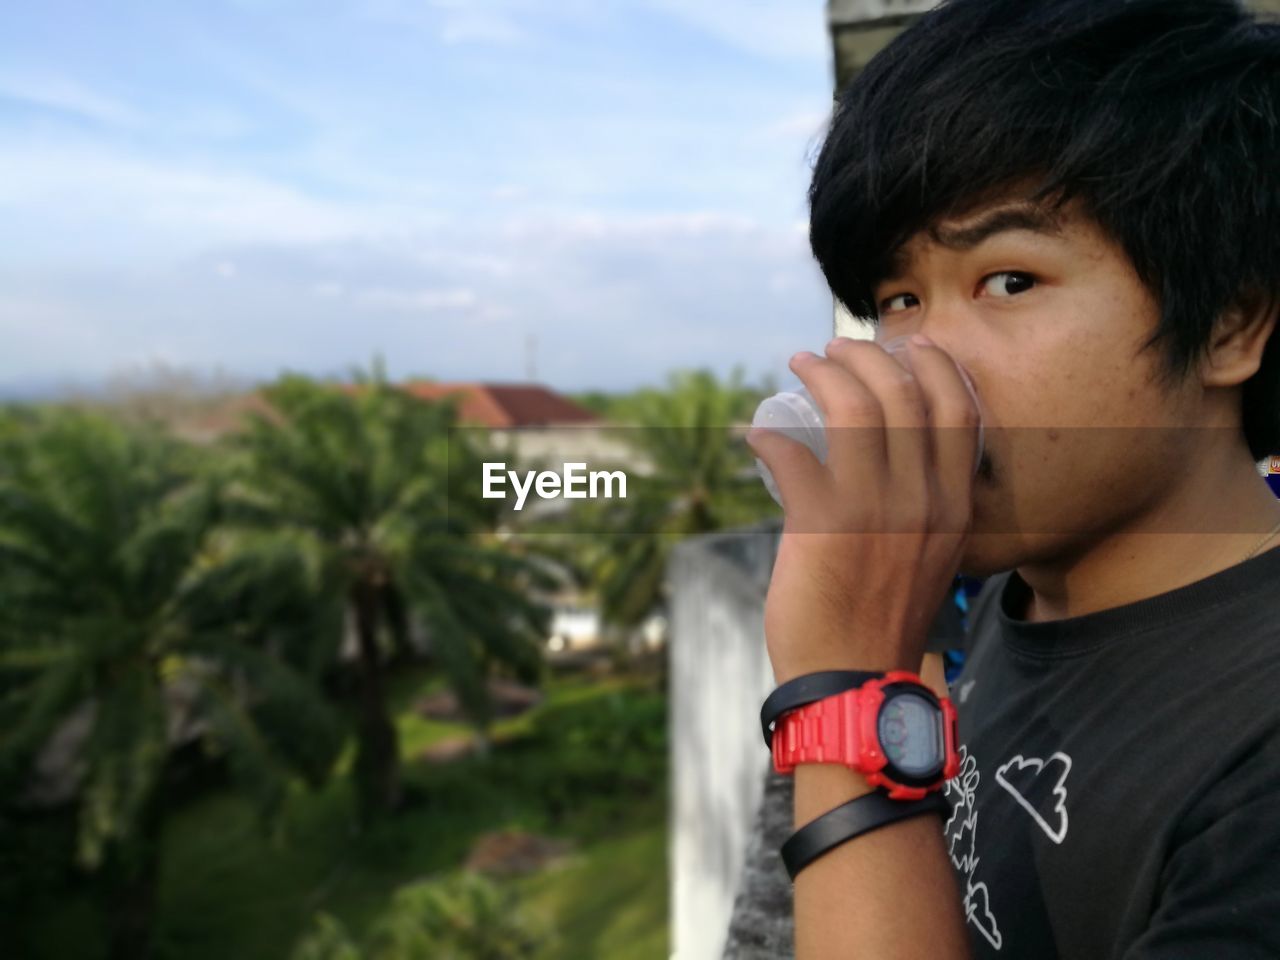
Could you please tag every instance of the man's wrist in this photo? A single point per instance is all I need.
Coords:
(821, 787)
(882, 662)
(814, 645)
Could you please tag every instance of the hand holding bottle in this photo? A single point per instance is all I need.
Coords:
(875, 529)
(795, 414)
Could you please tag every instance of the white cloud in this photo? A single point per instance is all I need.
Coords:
(207, 121)
(804, 123)
(365, 189)
(66, 94)
(481, 28)
(485, 264)
(78, 192)
(509, 191)
(453, 22)
(419, 301)
(596, 226)
(51, 335)
(46, 318)
(614, 301)
(774, 29)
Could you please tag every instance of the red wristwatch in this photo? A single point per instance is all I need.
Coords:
(894, 731)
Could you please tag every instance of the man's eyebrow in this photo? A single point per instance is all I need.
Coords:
(1021, 217)
(1000, 220)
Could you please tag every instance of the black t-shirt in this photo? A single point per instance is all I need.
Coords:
(1119, 795)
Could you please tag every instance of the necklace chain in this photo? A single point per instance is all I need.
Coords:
(1272, 533)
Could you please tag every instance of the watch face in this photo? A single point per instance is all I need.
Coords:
(910, 729)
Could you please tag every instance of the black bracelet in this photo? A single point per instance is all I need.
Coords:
(860, 815)
(798, 691)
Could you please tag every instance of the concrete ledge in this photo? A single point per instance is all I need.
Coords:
(763, 924)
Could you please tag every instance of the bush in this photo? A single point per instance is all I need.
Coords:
(612, 742)
(465, 917)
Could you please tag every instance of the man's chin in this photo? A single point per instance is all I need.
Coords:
(986, 554)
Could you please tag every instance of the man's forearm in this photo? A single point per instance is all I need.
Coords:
(885, 894)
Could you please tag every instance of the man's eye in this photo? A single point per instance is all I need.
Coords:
(900, 302)
(1008, 283)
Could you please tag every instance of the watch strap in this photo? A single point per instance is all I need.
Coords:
(860, 815)
(806, 689)
(825, 731)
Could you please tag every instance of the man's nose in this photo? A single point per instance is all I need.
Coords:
(945, 340)
(897, 335)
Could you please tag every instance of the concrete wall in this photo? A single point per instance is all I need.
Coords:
(719, 676)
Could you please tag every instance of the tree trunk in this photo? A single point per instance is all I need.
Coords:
(397, 626)
(378, 755)
(132, 877)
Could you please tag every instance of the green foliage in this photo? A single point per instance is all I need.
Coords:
(152, 592)
(612, 899)
(597, 748)
(614, 724)
(610, 743)
(636, 406)
(597, 401)
(703, 479)
(464, 917)
(365, 480)
(226, 893)
(328, 940)
(117, 608)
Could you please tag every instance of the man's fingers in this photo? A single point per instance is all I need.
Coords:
(952, 413)
(903, 410)
(853, 416)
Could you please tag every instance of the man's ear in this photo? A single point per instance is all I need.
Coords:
(1239, 337)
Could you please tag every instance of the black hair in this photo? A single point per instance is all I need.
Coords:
(1161, 117)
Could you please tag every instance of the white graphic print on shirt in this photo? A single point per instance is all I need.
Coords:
(1028, 788)
(961, 832)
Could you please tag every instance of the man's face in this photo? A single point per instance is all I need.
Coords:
(1047, 315)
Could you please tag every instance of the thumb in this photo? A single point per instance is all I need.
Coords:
(794, 467)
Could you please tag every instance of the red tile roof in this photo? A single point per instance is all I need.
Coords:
(506, 404)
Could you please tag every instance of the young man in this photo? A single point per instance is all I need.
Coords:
(1078, 201)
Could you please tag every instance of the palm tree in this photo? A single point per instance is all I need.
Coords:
(703, 479)
(372, 478)
(124, 617)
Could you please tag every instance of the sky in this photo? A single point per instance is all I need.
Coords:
(594, 193)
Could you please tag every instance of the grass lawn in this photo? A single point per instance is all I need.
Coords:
(613, 903)
(228, 890)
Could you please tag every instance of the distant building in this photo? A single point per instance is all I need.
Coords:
(505, 406)
(532, 424)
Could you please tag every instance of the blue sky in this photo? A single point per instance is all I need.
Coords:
(254, 185)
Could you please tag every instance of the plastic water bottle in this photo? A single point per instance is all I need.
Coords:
(795, 414)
